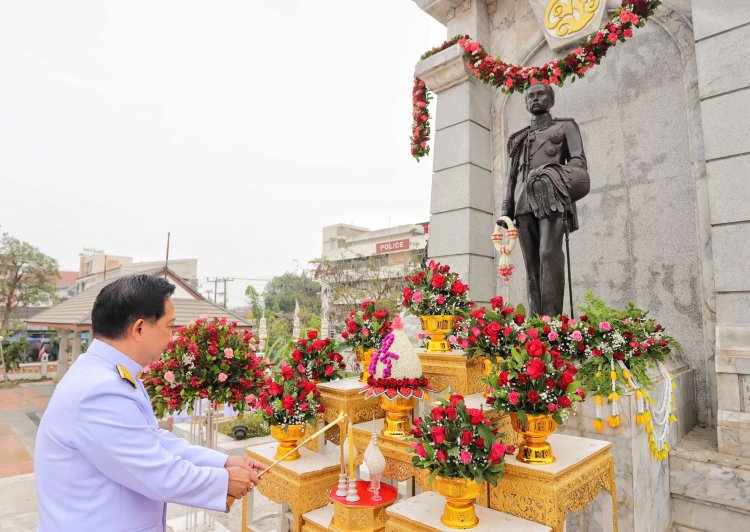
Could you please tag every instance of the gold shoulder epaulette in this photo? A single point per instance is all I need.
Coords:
(125, 375)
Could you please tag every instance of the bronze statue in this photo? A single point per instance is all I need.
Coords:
(547, 174)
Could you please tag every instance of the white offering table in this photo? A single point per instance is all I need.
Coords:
(422, 512)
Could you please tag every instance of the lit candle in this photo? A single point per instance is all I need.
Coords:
(351, 454)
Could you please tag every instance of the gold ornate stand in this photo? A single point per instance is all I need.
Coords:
(546, 493)
(422, 512)
(452, 369)
(344, 396)
(303, 484)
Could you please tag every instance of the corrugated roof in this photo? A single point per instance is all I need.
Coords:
(75, 313)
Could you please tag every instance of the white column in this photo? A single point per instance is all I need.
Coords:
(462, 204)
(76, 344)
(62, 356)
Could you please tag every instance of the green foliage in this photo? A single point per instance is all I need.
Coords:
(14, 351)
(283, 291)
(256, 425)
(27, 276)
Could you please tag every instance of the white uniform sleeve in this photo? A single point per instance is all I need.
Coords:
(193, 453)
(113, 434)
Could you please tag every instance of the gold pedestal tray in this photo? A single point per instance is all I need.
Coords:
(303, 484)
(343, 396)
(545, 493)
(452, 369)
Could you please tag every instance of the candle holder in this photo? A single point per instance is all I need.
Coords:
(352, 495)
(341, 489)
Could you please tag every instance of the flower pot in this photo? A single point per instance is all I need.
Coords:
(288, 436)
(534, 448)
(460, 494)
(397, 421)
(363, 357)
(437, 327)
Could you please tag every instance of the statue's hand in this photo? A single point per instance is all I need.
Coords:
(502, 223)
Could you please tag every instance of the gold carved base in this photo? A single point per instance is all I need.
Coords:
(452, 370)
(460, 495)
(437, 327)
(397, 416)
(349, 401)
(288, 436)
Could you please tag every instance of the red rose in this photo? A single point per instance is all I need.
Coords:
(496, 302)
(274, 388)
(450, 412)
(419, 451)
(533, 397)
(318, 344)
(564, 401)
(438, 434)
(497, 453)
(507, 310)
(455, 399)
(287, 372)
(459, 288)
(535, 348)
(408, 293)
(312, 335)
(502, 378)
(535, 368)
(476, 416)
(288, 402)
(519, 318)
(565, 380)
(466, 437)
(492, 329)
(438, 281)
(328, 371)
(441, 456)
(479, 442)
(438, 413)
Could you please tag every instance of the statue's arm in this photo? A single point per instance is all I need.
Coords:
(575, 144)
(509, 205)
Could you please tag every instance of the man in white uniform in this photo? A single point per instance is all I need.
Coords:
(101, 461)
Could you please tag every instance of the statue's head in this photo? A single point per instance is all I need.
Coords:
(540, 98)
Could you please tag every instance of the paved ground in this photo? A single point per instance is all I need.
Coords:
(21, 408)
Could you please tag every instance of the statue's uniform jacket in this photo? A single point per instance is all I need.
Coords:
(102, 463)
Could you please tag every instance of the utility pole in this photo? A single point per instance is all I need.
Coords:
(216, 281)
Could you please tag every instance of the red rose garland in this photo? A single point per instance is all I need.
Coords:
(512, 78)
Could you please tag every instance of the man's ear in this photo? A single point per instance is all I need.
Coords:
(137, 328)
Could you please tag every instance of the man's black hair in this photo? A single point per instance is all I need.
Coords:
(126, 300)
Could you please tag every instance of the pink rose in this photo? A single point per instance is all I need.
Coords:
(552, 336)
(440, 299)
(169, 376)
(522, 337)
(513, 398)
(365, 332)
(576, 336)
(229, 352)
(552, 407)
(222, 377)
(572, 322)
(465, 456)
(605, 326)
(546, 319)
(417, 297)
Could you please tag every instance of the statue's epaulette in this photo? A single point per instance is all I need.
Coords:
(125, 375)
(516, 137)
(564, 120)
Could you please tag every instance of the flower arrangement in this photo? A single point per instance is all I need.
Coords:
(288, 398)
(513, 78)
(458, 442)
(316, 358)
(435, 290)
(208, 359)
(493, 332)
(395, 369)
(534, 380)
(366, 326)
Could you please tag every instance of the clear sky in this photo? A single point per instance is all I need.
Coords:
(241, 126)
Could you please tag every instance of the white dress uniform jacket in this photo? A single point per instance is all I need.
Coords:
(102, 463)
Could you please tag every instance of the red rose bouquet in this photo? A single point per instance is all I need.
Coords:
(435, 290)
(458, 442)
(208, 359)
(366, 326)
(289, 398)
(493, 332)
(316, 358)
(534, 380)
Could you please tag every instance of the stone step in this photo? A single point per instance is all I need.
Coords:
(710, 490)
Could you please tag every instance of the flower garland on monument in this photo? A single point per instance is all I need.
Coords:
(513, 78)
(207, 359)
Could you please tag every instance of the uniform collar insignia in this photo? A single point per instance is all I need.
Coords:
(125, 375)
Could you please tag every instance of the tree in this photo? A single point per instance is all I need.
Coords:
(284, 290)
(253, 300)
(27, 276)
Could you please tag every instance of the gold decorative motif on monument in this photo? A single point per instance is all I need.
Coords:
(452, 370)
(543, 497)
(566, 17)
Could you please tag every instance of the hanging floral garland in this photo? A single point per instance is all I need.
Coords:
(513, 78)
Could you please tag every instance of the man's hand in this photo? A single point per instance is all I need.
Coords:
(240, 481)
(245, 462)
